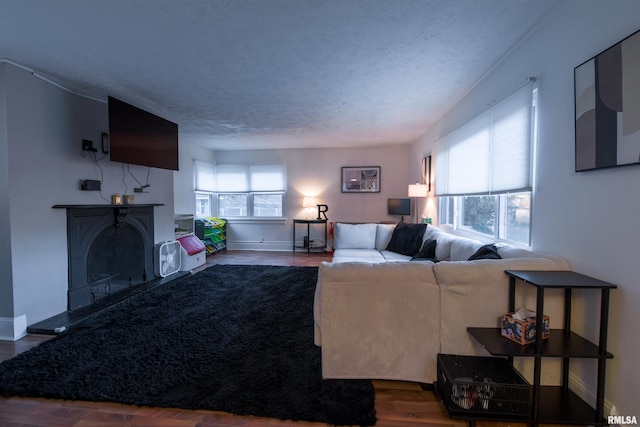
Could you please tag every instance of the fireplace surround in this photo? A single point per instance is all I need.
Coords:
(110, 249)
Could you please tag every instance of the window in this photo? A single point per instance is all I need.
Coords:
(249, 191)
(484, 170)
(498, 217)
(261, 205)
(203, 204)
(232, 205)
(267, 205)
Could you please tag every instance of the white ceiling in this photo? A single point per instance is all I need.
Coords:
(247, 74)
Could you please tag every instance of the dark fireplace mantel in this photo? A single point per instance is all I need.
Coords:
(120, 211)
(110, 248)
(104, 206)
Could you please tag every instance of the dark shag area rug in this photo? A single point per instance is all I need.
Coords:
(230, 338)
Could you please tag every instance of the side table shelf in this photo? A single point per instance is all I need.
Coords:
(554, 404)
(308, 223)
(559, 344)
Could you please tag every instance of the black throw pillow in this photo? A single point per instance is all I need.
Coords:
(406, 238)
(427, 251)
(486, 252)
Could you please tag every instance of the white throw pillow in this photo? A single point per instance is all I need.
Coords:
(355, 236)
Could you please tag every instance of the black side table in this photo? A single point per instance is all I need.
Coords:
(556, 404)
(308, 222)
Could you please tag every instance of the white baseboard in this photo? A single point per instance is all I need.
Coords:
(587, 394)
(13, 328)
(259, 246)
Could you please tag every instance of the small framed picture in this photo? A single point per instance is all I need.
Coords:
(360, 179)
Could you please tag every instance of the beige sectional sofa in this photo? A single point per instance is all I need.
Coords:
(379, 315)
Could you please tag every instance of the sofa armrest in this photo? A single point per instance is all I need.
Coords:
(377, 320)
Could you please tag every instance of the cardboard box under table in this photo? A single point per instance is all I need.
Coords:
(522, 329)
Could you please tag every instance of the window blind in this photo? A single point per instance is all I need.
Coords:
(490, 153)
(250, 178)
(267, 178)
(232, 178)
(204, 176)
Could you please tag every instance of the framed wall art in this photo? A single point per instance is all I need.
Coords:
(360, 179)
(607, 107)
(426, 171)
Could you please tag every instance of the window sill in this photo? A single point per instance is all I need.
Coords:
(481, 237)
(256, 220)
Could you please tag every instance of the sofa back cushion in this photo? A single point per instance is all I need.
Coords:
(462, 248)
(355, 236)
(451, 247)
(444, 241)
(383, 235)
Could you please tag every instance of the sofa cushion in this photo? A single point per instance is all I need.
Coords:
(406, 238)
(383, 235)
(427, 251)
(394, 256)
(432, 232)
(462, 248)
(443, 248)
(507, 251)
(486, 252)
(355, 236)
(357, 255)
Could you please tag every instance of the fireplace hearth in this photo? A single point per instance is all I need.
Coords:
(110, 249)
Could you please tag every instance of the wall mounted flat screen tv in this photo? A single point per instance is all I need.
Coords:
(141, 138)
(399, 206)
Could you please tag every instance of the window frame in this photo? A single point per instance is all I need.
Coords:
(200, 195)
(250, 205)
(450, 213)
(249, 180)
(449, 204)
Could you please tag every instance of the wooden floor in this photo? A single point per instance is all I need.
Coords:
(398, 404)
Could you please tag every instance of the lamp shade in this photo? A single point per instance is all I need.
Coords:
(418, 190)
(309, 202)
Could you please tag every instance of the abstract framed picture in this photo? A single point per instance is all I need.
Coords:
(607, 107)
(360, 179)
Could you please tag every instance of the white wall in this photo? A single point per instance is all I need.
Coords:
(590, 218)
(317, 172)
(6, 292)
(45, 129)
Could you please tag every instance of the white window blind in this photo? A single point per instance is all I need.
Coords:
(267, 178)
(204, 176)
(232, 178)
(490, 153)
(250, 178)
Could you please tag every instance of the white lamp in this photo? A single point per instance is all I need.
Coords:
(417, 191)
(309, 203)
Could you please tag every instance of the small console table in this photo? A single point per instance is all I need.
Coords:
(308, 222)
(556, 404)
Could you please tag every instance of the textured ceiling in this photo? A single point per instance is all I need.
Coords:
(246, 74)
